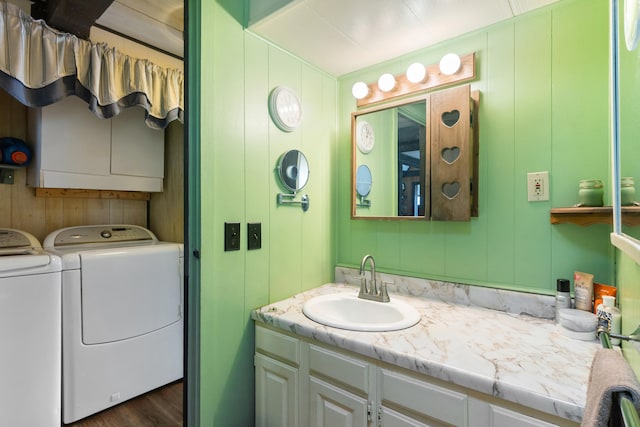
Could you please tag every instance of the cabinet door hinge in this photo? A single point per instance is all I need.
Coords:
(379, 416)
(369, 412)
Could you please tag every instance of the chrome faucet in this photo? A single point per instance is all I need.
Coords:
(371, 292)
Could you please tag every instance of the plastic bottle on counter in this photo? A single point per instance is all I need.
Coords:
(583, 290)
(563, 297)
(609, 317)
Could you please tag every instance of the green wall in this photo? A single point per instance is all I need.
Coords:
(240, 147)
(628, 277)
(544, 106)
(543, 79)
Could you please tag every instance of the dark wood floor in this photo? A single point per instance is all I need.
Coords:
(159, 408)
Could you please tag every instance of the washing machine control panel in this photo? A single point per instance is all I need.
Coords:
(101, 234)
(13, 242)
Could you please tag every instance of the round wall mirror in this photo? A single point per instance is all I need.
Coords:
(363, 180)
(293, 170)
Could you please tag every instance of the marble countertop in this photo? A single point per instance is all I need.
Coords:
(516, 357)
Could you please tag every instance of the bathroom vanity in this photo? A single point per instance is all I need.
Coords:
(461, 365)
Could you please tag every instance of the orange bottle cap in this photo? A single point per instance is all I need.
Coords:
(18, 157)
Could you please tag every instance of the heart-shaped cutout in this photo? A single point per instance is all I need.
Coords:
(450, 154)
(450, 118)
(451, 190)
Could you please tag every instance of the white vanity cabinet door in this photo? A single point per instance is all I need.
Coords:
(391, 418)
(487, 414)
(301, 382)
(339, 389)
(276, 393)
(412, 395)
(502, 417)
(331, 406)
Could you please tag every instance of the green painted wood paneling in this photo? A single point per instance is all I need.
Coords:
(533, 151)
(207, 292)
(497, 139)
(316, 224)
(522, 67)
(192, 383)
(286, 221)
(579, 86)
(240, 147)
(258, 172)
(225, 382)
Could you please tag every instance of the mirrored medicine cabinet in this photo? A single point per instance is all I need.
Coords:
(417, 159)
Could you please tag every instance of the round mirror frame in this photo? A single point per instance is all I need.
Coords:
(293, 170)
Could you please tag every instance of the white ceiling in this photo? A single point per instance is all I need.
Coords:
(341, 36)
(337, 36)
(157, 23)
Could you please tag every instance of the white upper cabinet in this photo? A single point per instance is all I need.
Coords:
(72, 148)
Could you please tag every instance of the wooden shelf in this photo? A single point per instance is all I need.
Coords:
(594, 215)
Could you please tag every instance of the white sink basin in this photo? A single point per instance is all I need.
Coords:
(347, 311)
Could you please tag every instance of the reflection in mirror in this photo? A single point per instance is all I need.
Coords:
(293, 170)
(624, 128)
(412, 160)
(397, 161)
(363, 185)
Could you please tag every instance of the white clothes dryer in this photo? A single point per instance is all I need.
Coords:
(30, 332)
(122, 315)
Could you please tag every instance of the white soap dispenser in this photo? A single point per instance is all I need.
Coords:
(609, 317)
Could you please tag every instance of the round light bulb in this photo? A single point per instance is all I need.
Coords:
(450, 64)
(386, 82)
(416, 73)
(360, 90)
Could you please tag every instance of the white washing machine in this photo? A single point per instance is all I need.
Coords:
(30, 332)
(122, 316)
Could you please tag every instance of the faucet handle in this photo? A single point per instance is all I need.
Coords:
(363, 285)
(384, 294)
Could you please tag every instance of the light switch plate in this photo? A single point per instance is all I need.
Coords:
(254, 235)
(231, 236)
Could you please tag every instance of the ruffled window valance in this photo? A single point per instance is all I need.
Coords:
(40, 65)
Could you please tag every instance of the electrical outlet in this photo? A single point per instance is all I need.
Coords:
(538, 186)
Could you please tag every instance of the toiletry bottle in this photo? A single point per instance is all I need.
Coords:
(563, 297)
(609, 317)
(583, 290)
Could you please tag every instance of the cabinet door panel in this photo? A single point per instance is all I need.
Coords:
(391, 418)
(330, 406)
(74, 140)
(424, 398)
(483, 414)
(502, 417)
(339, 368)
(278, 345)
(276, 393)
(136, 149)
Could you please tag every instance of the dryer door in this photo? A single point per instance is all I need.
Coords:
(127, 292)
